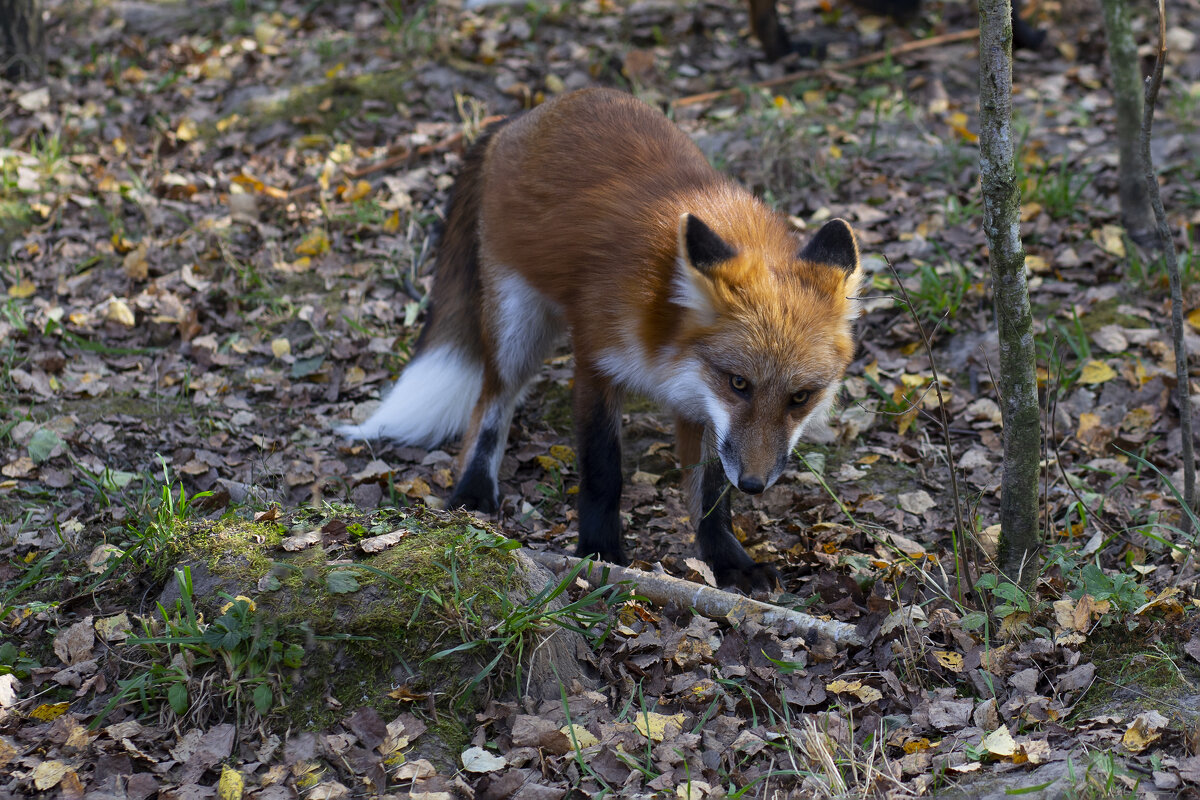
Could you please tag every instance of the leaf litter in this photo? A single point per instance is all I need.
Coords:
(225, 238)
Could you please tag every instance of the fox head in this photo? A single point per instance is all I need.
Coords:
(770, 335)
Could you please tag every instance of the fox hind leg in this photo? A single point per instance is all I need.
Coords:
(522, 327)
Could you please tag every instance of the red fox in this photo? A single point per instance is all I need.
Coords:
(595, 216)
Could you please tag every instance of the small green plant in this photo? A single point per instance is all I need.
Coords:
(493, 624)
(940, 291)
(236, 660)
(1059, 190)
(1104, 777)
(156, 536)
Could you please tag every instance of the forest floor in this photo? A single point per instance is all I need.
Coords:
(217, 226)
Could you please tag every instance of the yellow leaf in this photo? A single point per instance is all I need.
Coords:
(1193, 318)
(1036, 264)
(653, 725)
(186, 131)
(1111, 239)
(281, 347)
(48, 712)
(121, 244)
(1096, 372)
(250, 605)
(48, 773)
(392, 223)
(1145, 729)
(580, 735)
(950, 660)
(563, 453)
(227, 123)
(22, 289)
(315, 243)
(1000, 742)
(835, 151)
(231, 784)
(868, 694)
(838, 686)
(548, 463)
(335, 70)
(118, 311)
(356, 191)
(916, 745)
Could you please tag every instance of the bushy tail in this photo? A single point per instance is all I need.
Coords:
(434, 396)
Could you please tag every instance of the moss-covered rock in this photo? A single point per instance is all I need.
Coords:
(388, 606)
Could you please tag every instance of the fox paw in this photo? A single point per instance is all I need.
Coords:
(612, 556)
(475, 495)
(750, 578)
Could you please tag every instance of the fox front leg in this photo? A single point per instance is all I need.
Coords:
(730, 562)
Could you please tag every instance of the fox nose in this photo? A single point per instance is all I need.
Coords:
(751, 484)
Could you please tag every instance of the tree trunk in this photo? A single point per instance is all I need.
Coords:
(20, 39)
(1163, 231)
(1001, 224)
(1137, 214)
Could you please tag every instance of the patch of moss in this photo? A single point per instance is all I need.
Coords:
(1136, 669)
(440, 586)
(1105, 313)
(339, 99)
(555, 406)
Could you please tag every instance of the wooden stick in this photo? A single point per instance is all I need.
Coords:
(707, 601)
(402, 157)
(861, 61)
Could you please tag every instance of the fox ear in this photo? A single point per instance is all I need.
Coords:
(699, 246)
(834, 245)
(700, 250)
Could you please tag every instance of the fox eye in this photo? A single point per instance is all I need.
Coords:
(801, 397)
(739, 384)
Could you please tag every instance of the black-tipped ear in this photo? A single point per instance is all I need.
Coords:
(834, 245)
(702, 248)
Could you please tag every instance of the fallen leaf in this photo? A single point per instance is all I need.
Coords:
(579, 735)
(186, 130)
(315, 243)
(1145, 729)
(654, 726)
(917, 502)
(231, 785)
(476, 759)
(1111, 239)
(25, 288)
(1096, 372)
(100, 556)
(1000, 742)
(118, 311)
(47, 774)
(950, 660)
(115, 628)
(74, 644)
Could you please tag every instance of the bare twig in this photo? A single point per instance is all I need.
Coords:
(1183, 381)
(961, 556)
(861, 61)
(707, 601)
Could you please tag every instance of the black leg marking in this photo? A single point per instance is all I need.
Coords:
(476, 488)
(598, 424)
(730, 562)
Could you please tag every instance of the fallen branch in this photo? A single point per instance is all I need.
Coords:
(403, 156)
(861, 61)
(707, 601)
